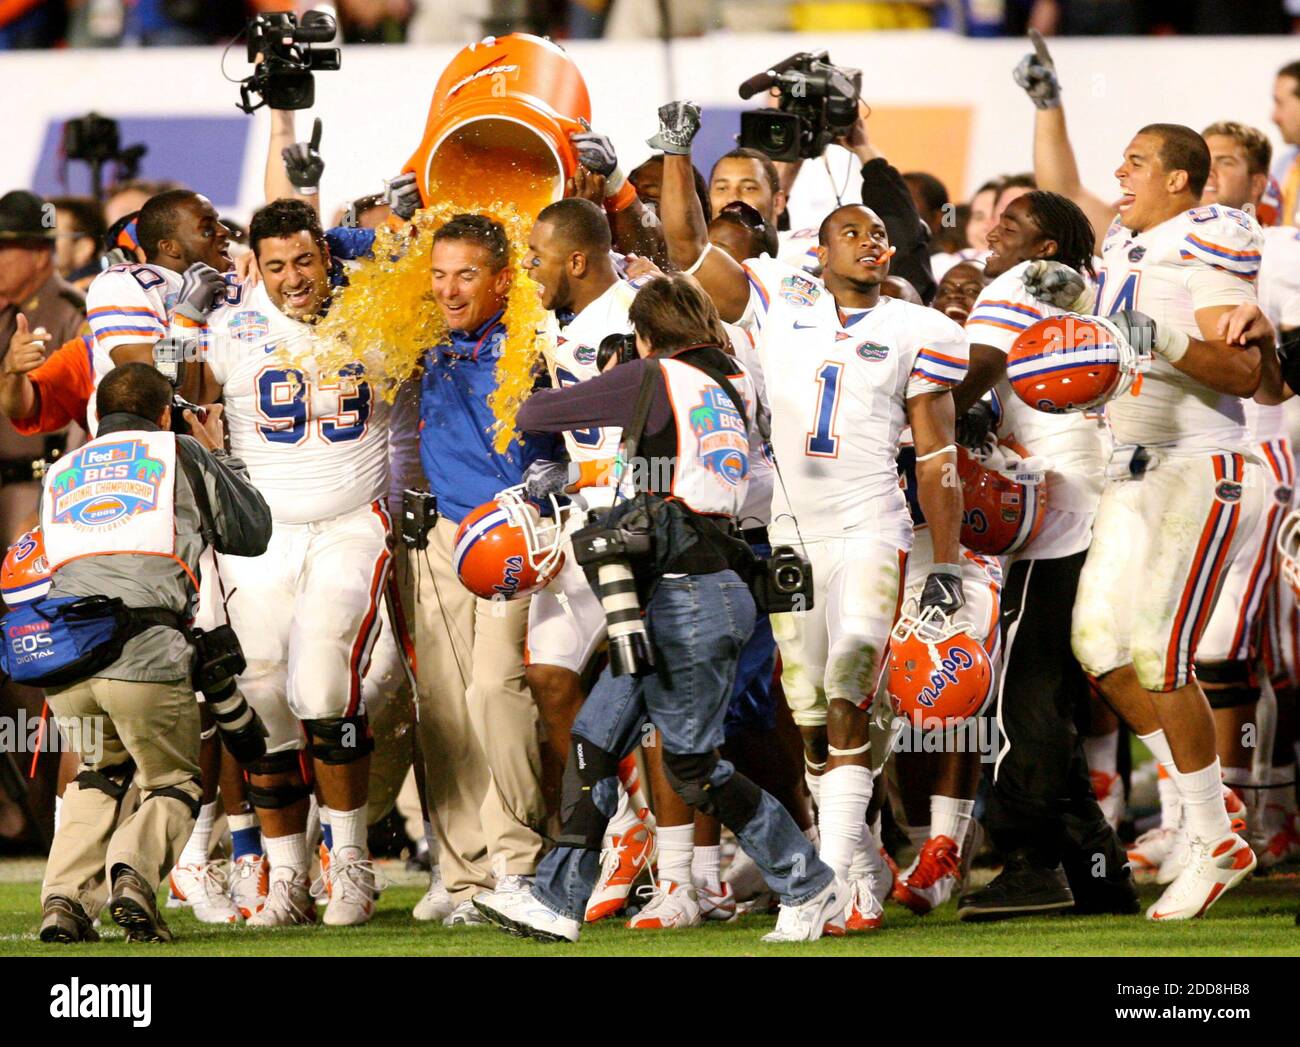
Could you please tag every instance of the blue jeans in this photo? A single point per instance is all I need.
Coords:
(698, 625)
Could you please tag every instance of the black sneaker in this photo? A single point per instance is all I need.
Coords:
(65, 921)
(1020, 889)
(1108, 898)
(134, 908)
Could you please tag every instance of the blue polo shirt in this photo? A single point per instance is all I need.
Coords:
(463, 468)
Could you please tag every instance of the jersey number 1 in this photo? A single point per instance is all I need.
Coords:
(822, 441)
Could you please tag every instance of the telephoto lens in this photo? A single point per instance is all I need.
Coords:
(629, 646)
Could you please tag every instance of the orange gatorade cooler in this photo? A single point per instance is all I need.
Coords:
(515, 98)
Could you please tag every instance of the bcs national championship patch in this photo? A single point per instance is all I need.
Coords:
(799, 290)
(250, 326)
(724, 447)
(106, 485)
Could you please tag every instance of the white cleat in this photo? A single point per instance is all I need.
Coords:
(249, 882)
(1213, 867)
(203, 889)
(525, 916)
(864, 910)
(869, 864)
(668, 906)
(436, 905)
(823, 913)
(1176, 860)
(1149, 851)
(465, 914)
(288, 901)
(717, 905)
(352, 888)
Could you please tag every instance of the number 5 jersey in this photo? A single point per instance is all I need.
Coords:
(316, 445)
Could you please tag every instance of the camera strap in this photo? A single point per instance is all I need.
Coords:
(645, 395)
(207, 521)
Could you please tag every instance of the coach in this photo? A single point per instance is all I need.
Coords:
(478, 722)
(126, 517)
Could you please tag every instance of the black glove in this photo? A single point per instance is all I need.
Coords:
(1036, 73)
(202, 287)
(544, 478)
(974, 426)
(403, 195)
(943, 589)
(595, 152)
(303, 162)
(679, 123)
(1138, 329)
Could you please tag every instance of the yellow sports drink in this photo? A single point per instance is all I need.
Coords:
(496, 143)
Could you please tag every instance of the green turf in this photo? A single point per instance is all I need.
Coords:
(1257, 919)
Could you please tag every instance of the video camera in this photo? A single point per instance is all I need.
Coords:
(97, 140)
(283, 77)
(818, 103)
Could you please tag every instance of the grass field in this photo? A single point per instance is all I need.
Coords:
(1257, 919)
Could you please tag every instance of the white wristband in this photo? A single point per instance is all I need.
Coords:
(700, 261)
(935, 454)
(1171, 343)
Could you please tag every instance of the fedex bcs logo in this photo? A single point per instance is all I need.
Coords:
(956, 662)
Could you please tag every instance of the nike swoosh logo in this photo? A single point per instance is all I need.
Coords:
(803, 327)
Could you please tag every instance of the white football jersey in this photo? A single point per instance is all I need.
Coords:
(1071, 443)
(1279, 276)
(1204, 257)
(798, 247)
(838, 384)
(316, 446)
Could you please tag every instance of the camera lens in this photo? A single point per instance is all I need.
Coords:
(788, 578)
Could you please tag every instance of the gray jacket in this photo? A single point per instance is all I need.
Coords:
(242, 523)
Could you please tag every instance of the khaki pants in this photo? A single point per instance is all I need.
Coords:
(114, 724)
(478, 725)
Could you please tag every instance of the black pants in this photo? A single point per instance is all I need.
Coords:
(1041, 802)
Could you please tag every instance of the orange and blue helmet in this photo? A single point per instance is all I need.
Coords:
(1071, 362)
(25, 573)
(506, 550)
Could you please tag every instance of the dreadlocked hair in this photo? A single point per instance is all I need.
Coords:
(1061, 219)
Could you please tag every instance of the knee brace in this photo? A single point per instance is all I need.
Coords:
(113, 781)
(732, 801)
(275, 797)
(175, 792)
(1228, 684)
(340, 741)
(584, 820)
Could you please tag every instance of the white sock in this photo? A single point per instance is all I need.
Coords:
(200, 841)
(676, 849)
(1202, 793)
(814, 783)
(1159, 746)
(866, 855)
(950, 817)
(846, 791)
(706, 867)
(1102, 752)
(624, 817)
(287, 852)
(1171, 800)
(349, 827)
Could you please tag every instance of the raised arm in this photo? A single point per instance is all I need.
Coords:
(293, 169)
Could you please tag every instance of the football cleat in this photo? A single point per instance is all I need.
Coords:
(352, 888)
(1236, 808)
(1149, 852)
(525, 916)
(436, 903)
(288, 901)
(823, 913)
(202, 887)
(668, 906)
(1212, 868)
(320, 887)
(930, 880)
(465, 914)
(717, 905)
(864, 911)
(249, 881)
(1109, 790)
(1175, 860)
(626, 857)
(1279, 840)
(872, 863)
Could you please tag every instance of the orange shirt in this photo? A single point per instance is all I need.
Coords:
(63, 385)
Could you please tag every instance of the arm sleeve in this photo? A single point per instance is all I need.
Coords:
(240, 514)
(120, 312)
(63, 387)
(885, 192)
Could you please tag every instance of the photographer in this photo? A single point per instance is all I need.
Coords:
(683, 417)
(125, 519)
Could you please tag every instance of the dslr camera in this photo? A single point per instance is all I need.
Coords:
(818, 103)
(283, 77)
(783, 582)
(622, 346)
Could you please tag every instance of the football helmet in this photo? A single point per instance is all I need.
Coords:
(1288, 551)
(939, 674)
(506, 549)
(25, 573)
(1072, 362)
(1002, 508)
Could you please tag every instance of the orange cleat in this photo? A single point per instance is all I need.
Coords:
(621, 863)
(930, 880)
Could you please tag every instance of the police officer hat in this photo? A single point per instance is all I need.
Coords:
(23, 217)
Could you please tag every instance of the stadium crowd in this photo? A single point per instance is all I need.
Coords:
(1047, 577)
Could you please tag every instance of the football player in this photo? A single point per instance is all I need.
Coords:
(845, 369)
(308, 611)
